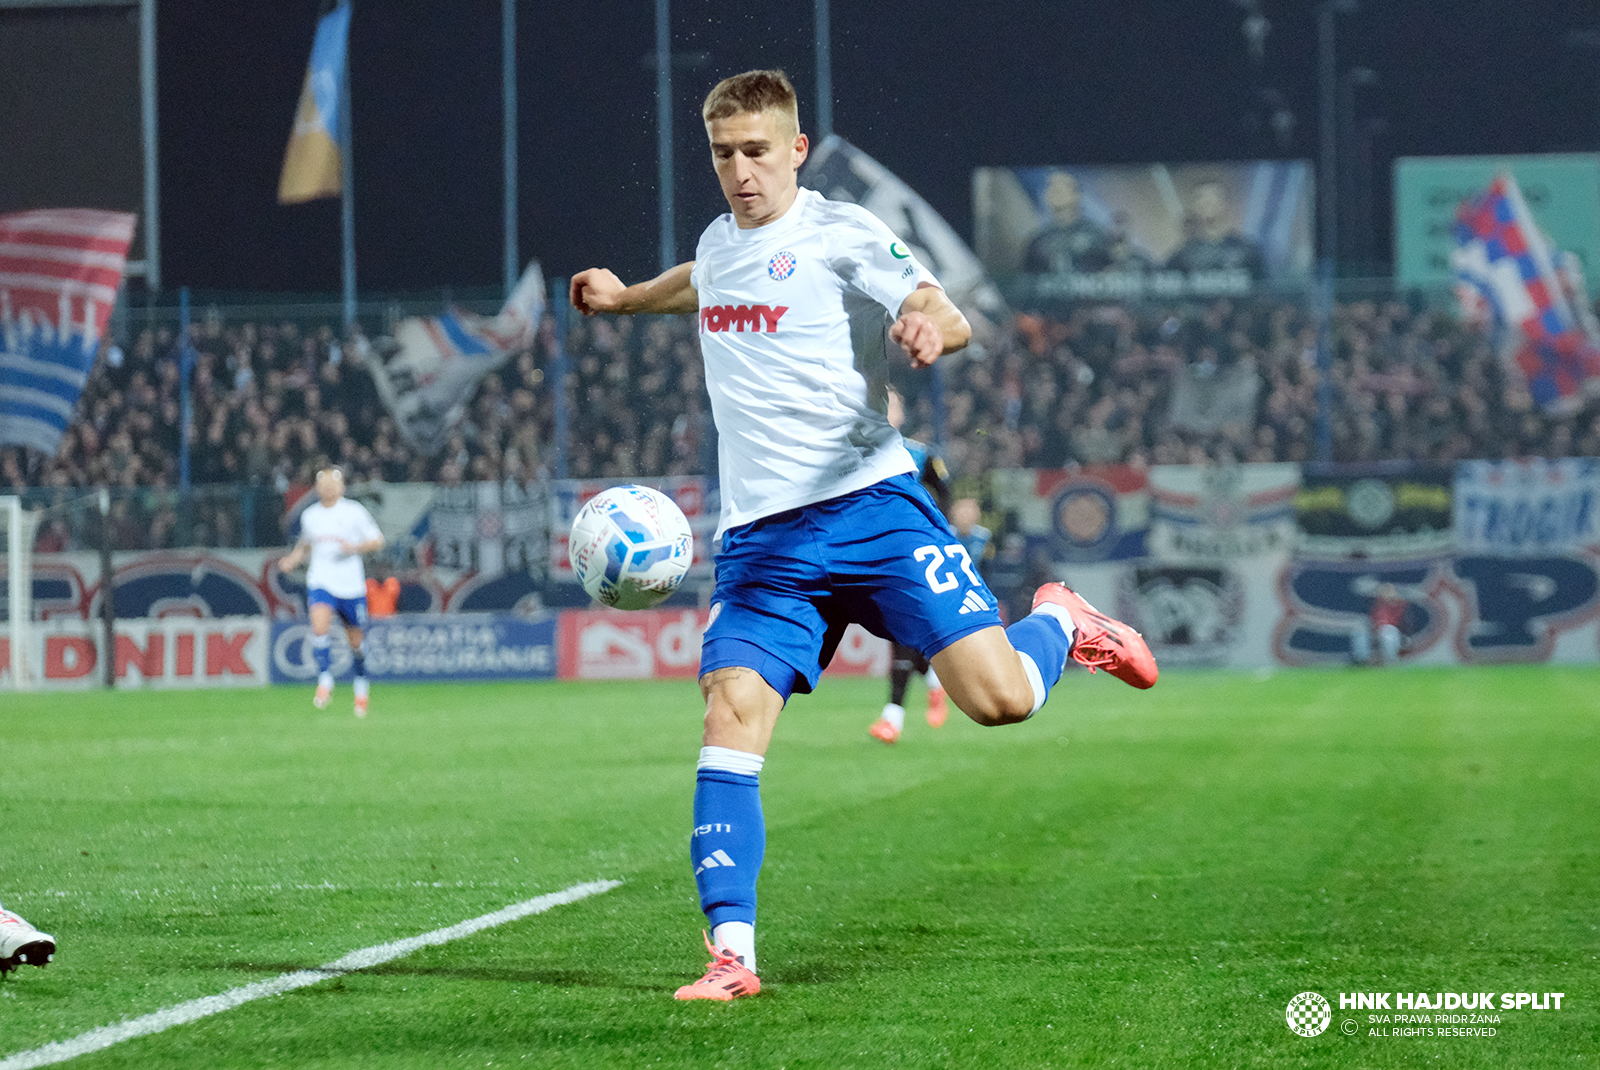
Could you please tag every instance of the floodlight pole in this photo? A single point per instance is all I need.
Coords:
(824, 27)
(185, 401)
(1328, 216)
(147, 110)
(669, 225)
(347, 193)
(508, 93)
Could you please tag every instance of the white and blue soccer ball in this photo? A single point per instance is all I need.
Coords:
(630, 547)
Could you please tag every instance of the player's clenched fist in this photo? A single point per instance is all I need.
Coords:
(919, 336)
(596, 290)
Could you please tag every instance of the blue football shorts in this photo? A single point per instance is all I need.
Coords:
(353, 611)
(883, 557)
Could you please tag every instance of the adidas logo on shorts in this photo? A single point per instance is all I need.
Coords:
(974, 603)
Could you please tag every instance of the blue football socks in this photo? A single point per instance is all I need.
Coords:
(730, 834)
(322, 652)
(359, 660)
(1043, 640)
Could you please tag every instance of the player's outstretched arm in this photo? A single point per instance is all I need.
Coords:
(599, 290)
(930, 325)
(291, 560)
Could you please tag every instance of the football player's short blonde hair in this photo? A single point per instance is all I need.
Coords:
(753, 92)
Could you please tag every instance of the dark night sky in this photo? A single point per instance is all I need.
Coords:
(932, 89)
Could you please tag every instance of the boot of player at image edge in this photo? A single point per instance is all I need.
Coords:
(21, 944)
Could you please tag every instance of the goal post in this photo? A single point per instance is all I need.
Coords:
(19, 526)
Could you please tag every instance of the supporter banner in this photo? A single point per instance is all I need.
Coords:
(1157, 229)
(197, 584)
(605, 644)
(1527, 508)
(60, 270)
(175, 652)
(427, 646)
(1206, 576)
(429, 370)
(1092, 513)
(1377, 513)
(1218, 512)
(841, 172)
(1505, 569)
(488, 528)
(1207, 398)
(1561, 189)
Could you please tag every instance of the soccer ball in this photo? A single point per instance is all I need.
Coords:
(630, 547)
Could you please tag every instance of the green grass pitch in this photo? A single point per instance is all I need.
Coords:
(1130, 879)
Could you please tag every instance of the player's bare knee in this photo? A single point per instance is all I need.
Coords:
(997, 706)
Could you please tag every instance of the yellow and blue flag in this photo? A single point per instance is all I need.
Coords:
(312, 166)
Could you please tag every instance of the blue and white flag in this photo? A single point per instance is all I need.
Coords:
(60, 269)
(435, 363)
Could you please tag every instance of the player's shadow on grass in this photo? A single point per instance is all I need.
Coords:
(554, 978)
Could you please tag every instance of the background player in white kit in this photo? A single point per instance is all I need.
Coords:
(335, 532)
(823, 522)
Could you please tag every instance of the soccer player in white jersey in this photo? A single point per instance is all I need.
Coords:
(21, 944)
(335, 532)
(823, 522)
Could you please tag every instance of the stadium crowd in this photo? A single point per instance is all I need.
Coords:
(1103, 383)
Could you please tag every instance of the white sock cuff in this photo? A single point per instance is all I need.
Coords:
(1062, 617)
(320, 641)
(730, 761)
(1031, 669)
(933, 679)
(738, 937)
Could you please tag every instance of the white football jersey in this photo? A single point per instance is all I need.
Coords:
(324, 527)
(794, 320)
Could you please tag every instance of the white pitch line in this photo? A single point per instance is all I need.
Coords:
(157, 1021)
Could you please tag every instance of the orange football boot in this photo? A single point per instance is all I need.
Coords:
(882, 729)
(726, 978)
(1102, 642)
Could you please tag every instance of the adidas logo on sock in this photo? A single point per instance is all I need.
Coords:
(713, 860)
(973, 603)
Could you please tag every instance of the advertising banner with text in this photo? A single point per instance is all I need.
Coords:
(427, 646)
(173, 652)
(605, 644)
